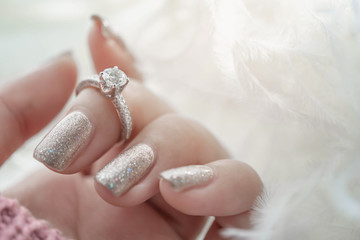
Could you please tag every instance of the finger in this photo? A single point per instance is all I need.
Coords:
(219, 188)
(71, 204)
(92, 127)
(188, 227)
(167, 142)
(108, 50)
(214, 232)
(28, 103)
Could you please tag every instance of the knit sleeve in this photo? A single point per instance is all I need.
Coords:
(17, 223)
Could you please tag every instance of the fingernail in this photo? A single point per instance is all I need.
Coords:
(127, 169)
(107, 31)
(58, 57)
(185, 177)
(64, 142)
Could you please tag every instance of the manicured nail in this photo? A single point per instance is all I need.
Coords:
(185, 177)
(107, 31)
(64, 142)
(127, 169)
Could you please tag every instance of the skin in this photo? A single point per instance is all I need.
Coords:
(151, 209)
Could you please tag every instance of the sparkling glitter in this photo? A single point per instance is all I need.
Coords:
(124, 115)
(185, 177)
(118, 101)
(58, 149)
(116, 176)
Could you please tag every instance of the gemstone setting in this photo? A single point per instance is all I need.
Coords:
(111, 80)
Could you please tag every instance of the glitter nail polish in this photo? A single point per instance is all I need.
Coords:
(126, 169)
(189, 176)
(64, 142)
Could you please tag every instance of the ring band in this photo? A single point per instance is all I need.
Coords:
(111, 82)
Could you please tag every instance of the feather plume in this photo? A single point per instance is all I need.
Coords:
(284, 77)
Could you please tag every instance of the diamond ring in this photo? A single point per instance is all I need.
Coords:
(111, 82)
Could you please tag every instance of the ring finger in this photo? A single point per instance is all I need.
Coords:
(131, 177)
(92, 126)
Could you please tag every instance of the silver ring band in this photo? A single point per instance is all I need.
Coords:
(111, 82)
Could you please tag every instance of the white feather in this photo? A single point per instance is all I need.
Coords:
(278, 83)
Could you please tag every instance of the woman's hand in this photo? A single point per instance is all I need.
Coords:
(142, 206)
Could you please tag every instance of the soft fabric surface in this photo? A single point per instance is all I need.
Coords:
(17, 223)
(278, 81)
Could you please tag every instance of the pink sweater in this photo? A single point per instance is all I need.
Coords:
(17, 223)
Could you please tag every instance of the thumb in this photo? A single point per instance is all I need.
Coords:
(29, 102)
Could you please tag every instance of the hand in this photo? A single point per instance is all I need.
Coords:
(149, 208)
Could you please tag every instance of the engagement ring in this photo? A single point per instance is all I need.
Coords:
(111, 82)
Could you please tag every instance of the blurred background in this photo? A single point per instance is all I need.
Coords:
(32, 32)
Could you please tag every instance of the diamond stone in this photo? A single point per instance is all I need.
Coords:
(113, 78)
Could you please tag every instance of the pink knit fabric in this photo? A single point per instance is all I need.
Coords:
(17, 223)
